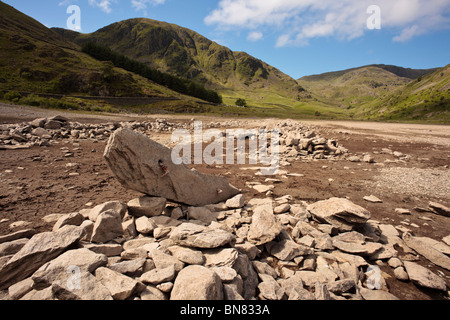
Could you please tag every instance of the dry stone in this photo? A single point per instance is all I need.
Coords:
(236, 202)
(339, 212)
(146, 206)
(197, 283)
(440, 209)
(287, 249)
(424, 277)
(196, 236)
(40, 249)
(424, 249)
(108, 226)
(144, 165)
(119, 208)
(157, 276)
(57, 269)
(265, 226)
(120, 286)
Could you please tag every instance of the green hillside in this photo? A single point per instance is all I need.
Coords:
(185, 53)
(425, 98)
(36, 59)
(354, 87)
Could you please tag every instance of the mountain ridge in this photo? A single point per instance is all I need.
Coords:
(186, 53)
(397, 70)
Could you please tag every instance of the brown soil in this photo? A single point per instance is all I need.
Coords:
(40, 183)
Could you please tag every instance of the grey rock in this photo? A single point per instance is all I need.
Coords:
(58, 269)
(341, 286)
(28, 233)
(197, 283)
(236, 202)
(128, 267)
(74, 219)
(157, 276)
(108, 249)
(424, 277)
(220, 257)
(146, 206)
(321, 292)
(119, 208)
(146, 166)
(202, 214)
(12, 247)
(187, 255)
(368, 294)
(40, 249)
(108, 226)
(144, 225)
(163, 260)
(287, 249)
(440, 209)
(424, 249)
(265, 226)
(120, 286)
(339, 212)
(151, 293)
(196, 236)
(18, 290)
(269, 289)
(401, 274)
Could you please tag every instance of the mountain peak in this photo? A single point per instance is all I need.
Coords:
(185, 53)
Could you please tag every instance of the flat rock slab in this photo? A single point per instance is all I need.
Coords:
(339, 212)
(196, 236)
(40, 249)
(424, 277)
(146, 166)
(425, 249)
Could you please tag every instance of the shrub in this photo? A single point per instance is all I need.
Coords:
(12, 96)
(241, 102)
(31, 100)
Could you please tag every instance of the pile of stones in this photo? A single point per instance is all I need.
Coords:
(46, 131)
(297, 140)
(151, 249)
(198, 238)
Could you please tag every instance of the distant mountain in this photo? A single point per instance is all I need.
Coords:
(36, 59)
(425, 98)
(398, 71)
(185, 53)
(352, 87)
(385, 92)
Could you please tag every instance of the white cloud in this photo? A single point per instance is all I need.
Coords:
(105, 5)
(255, 36)
(141, 5)
(407, 34)
(297, 21)
(66, 2)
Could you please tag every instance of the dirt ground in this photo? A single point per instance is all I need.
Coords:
(37, 182)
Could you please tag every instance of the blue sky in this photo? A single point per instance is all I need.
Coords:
(299, 37)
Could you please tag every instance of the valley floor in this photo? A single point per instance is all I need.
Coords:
(31, 189)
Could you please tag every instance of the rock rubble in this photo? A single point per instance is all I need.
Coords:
(162, 246)
(104, 256)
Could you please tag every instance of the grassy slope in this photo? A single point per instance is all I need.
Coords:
(426, 98)
(36, 59)
(185, 53)
(384, 93)
(354, 87)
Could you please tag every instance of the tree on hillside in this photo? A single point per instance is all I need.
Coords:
(241, 102)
